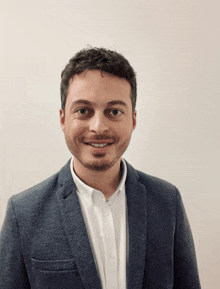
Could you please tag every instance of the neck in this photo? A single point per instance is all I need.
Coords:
(104, 181)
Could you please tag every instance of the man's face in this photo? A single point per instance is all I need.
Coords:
(98, 120)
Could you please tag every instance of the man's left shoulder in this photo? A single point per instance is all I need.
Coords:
(155, 182)
(159, 191)
(155, 186)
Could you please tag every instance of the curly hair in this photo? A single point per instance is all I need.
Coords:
(103, 60)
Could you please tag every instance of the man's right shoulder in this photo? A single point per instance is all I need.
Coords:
(37, 192)
(42, 191)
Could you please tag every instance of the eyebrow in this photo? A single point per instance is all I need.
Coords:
(79, 101)
(83, 101)
(113, 102)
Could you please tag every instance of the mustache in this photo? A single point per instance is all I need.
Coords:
(100, 138)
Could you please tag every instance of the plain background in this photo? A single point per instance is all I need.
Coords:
(174, 46)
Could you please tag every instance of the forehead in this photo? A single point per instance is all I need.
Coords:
(98, 86)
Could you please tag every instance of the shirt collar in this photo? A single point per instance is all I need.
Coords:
(88, 191)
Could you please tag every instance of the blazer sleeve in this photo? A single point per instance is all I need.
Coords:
(13, 273)
(185, 264)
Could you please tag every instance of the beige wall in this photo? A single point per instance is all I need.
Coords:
(175, 48)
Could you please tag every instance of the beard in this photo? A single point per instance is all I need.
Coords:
(100, 165)
(99, 161)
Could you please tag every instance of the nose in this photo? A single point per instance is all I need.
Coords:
(98, 123)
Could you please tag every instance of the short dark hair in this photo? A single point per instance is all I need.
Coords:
(103, 60)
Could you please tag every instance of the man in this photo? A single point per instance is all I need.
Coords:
(98, 223)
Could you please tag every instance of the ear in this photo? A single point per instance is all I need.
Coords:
(62, 119)
(134, 119)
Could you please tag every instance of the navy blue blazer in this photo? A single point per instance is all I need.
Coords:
(44, 242)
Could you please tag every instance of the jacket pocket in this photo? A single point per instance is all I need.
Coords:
(55, 274)
(54, 265)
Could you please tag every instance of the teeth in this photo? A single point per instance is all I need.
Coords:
(99, 145)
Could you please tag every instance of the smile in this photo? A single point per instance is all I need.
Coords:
(98, 145)
(101, 145)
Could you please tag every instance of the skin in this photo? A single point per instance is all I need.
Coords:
(98, 111)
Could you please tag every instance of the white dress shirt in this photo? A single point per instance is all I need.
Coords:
(106, 227)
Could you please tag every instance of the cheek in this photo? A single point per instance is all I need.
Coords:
(75, 127)
(126, 128)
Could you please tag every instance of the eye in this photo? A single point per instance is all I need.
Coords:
(82, 111)
(115, 112)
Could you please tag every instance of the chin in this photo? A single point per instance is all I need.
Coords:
(100, 165)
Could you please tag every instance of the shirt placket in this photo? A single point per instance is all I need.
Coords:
(111, 260)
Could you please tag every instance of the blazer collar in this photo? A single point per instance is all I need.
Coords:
(137, 222)
(65, 177)
(76, 230)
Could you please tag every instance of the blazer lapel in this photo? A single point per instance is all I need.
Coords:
(75, 229)
(77, 234)
(137, 226)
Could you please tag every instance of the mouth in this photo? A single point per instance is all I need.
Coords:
(99, 145)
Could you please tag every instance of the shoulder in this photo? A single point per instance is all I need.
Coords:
(31, 201)
(34, 198)
(155, 182)
(38, 191)
(160, 190)
(155, 187)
